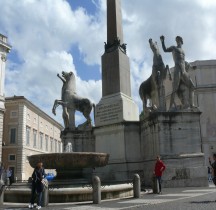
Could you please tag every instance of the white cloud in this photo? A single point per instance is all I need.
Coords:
(44, 32)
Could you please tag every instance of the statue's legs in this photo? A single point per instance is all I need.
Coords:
(87, 113)
(190, 85)
(71, 119)
(65, 116)
(172, 99)
(191, 95)
(175, 85)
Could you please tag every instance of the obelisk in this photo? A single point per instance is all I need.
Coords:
(116, 104)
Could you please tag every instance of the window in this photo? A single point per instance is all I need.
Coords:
(59, 147)
(27, 135)
(35, 138)
(51, 144)
(41, 141)
(13, 114)
(11, 157)
(46, 139)
(28, 116)
(55, 145)
(13, 135)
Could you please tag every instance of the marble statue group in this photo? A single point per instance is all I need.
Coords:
(151, 90)
(182, 85)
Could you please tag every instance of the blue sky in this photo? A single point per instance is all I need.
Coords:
(48, 36)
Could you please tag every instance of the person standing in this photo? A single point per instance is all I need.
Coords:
(213, 166)
(158, 171)
(209, 174)
(9, 175)
(37, 185)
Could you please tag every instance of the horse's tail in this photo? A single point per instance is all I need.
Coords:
(141, 91)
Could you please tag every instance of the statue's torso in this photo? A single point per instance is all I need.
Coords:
(178, 56)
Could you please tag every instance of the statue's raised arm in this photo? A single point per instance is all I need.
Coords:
(162, 38)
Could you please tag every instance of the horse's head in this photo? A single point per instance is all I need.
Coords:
(67, 75)
(154, 46)
(70, 82)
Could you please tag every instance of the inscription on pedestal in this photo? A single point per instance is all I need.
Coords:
(108, 112)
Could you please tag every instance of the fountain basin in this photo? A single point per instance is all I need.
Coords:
(72, 194)
(70, 165)
(69, 161)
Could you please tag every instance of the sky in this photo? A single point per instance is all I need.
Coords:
(49, 36)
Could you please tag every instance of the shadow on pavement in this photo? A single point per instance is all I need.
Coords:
(202, 202)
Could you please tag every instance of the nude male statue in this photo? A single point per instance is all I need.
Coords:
(180, 74)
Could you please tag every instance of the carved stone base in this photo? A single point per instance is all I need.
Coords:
(115, 108)
(175, 136)
(122, 142)
(78, 141)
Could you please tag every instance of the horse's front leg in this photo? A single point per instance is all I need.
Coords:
(55, 105)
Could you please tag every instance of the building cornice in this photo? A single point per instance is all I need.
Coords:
(22, 99)
(4, 44)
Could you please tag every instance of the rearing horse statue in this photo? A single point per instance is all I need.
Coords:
(152, 87)
(71, 102)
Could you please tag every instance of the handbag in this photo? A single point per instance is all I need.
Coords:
(44, 182)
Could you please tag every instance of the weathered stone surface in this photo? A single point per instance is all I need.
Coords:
(176, 137)
(122, 142)
(114, 109)
(115, 73)
(171, 133)
(78, 141)
(67, 161)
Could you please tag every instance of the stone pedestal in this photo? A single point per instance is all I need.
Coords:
(115, 108)
(175, 136)
(122, 142)
(78, 141)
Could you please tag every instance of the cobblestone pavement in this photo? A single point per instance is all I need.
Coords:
(171, 199)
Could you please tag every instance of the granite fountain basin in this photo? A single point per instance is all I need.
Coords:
(70, 161)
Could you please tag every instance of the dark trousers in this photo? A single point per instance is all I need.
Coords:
(159, 182)
(10, 179)
(34, 194)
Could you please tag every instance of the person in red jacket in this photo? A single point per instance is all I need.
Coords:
(158, 171)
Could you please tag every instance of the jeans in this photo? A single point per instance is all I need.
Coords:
(34, 194)
(159, 182)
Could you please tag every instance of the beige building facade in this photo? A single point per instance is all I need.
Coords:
(204, 78)
(27, 131)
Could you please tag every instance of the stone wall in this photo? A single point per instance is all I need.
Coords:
(176, 138)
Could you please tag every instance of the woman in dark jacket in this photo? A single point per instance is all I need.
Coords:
(37, 186)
